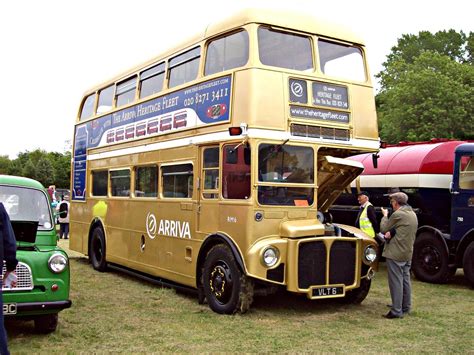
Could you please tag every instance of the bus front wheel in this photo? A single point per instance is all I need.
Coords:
(226, 288)
(97, 250)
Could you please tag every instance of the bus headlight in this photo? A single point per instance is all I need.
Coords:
(57, 263)
(370, 254)
(270, 256)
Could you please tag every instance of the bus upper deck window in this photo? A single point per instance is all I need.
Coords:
(106, 97)
(125, 92)
(228, 52)
(151, 80)
(341, 61)
(88, 107)
(184, 67)
(284, 49)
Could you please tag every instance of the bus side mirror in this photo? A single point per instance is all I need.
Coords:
(375, 158)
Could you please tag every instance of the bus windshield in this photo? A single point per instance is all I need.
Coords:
(285, 164)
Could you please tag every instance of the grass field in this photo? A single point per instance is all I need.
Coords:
(113, 312)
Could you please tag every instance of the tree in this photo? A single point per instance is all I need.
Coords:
(426, 88)
(44, 171)
(29, 170)
(48, 168)
(4, 164)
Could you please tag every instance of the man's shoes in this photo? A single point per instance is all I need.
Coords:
(390, 315)
(404, 311)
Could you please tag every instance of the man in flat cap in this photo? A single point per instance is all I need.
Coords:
(366, 219)
(400, 232)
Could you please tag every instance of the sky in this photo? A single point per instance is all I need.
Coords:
(54, 50)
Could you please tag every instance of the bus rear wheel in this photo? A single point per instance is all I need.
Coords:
(97, 250)
(226, 288)
(468, 263)
(430, 261)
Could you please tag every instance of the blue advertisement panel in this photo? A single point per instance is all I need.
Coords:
(199, 105)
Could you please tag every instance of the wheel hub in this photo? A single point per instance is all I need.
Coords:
(431, 259)
(220, 282)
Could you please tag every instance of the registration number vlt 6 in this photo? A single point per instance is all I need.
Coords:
(328, 291)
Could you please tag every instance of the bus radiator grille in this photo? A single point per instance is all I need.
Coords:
(312, 263)
(342, 263)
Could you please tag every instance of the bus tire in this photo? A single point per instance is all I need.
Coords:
(468, 263)
(430, 262)
(46, 323)
(226, 288)
(97, 250)
(359, 294)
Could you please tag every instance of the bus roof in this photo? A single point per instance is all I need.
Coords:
(20, 181)
(285, 19)
(412, 158)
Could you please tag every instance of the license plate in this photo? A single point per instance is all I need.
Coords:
(9, 309)
(327, 291)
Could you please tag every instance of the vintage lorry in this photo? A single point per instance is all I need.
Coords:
(438, 177)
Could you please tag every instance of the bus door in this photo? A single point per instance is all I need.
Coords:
(208, 208)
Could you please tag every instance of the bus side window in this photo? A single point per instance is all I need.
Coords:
(210, 172)
(184, 67)
(227, 52)
(151, 80)
(125, 92)
(176, 180)
(120, 183)
(146, 181)
(106, 97)
(100, 181)
(236, 172)
(88, 107)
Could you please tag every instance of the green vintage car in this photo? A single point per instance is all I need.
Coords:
(42, 289)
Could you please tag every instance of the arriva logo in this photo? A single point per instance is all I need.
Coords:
(177, 229)
(151, 225)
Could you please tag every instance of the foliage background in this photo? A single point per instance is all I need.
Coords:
(49, 168)
(426, 88)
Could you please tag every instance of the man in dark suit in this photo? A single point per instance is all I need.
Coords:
(8, 255)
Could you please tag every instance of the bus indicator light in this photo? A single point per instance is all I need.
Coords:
(235, 131)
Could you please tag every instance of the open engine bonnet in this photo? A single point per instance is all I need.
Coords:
(334, 174)
(25, 231)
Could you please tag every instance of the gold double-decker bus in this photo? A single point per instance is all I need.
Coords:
(213, 165)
